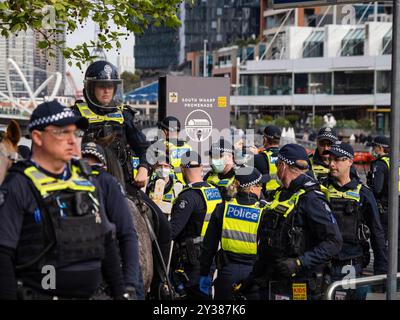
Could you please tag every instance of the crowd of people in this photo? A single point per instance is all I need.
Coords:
(278, 224)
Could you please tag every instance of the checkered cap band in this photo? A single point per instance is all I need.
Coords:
(95, 153)
(66, 113)
(251, 183)
(327, 135)
(336, 148)
(286, 160)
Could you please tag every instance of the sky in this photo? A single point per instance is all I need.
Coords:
(85, 34)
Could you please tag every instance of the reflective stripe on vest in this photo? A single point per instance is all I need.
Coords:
(387, 161)
(239, 227)
(212, 198)
(176, 153)
(92, 117)
(349, 194)
(46, 184)
(272, 184)
(287, 206)
(216, 181)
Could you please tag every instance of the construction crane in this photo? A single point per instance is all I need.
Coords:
(77, 93)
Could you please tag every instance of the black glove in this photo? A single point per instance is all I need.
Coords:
(288, 267)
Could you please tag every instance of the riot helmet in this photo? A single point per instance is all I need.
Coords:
(102, 85)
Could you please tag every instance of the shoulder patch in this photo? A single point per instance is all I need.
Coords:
(182, 204)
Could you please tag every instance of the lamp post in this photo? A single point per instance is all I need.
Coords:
(205, 58)
(313, 86)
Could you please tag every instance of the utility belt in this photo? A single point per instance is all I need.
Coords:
(190, 250)
(223, 258)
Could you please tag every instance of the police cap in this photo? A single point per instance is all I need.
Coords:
(272, 132)
(220, 147)
(340, 150)
(249, 176)
(327, 133)
(54, 113)
(290, 153)
(381, 141)
(191, 159)
(170, 123)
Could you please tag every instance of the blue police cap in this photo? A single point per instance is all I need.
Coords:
(327, 133)
(340, 149)
(191, 159)
(381, 141)
(249, 176)
(54, 113)
(272, 132)
(220, 147)
(95, 150)
(292, 152)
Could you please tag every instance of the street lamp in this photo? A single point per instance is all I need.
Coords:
(313, 86)
(205, 58)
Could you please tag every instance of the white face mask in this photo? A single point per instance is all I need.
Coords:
(163, 172)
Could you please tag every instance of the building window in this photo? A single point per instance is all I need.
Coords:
(383, 81)
(353, 43)
(387, 43)
(306, 83)
(314, 45)
(354, 82)
(266, 84)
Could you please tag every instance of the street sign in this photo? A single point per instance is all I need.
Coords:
(280, 4)
(200, 104)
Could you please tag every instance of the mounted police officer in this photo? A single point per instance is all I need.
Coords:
(53, 218)
(222, 173)
(234, 224)
(378, 177)
(118, 213)
(266, 160)
(357, 215)
(297, 235)
(176, 148)
(190, 216)
(108, 117)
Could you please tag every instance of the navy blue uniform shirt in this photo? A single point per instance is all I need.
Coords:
(379, 182)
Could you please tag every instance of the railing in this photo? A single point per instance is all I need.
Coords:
(329, 293)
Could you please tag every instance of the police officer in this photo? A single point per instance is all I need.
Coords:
(52, 218)
(297, 235)
(222, 173)
(107, 116)
(320, 161)
(162, 169)
(171, 126)
(118, 212)
(378, 177)
(190, 216)
(234, 223)
(356, 213)
(265, 161)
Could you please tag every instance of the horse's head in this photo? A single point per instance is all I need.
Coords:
(9, 147)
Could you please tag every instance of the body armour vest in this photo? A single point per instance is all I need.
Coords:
(320, 171)
(101, 126)
(346, 207)
(68, 216)
(222, 185)
(280, 234)
(239, 227)
(175, 157)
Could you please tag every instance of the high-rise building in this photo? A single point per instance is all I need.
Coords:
(219, 22)
(35, 64)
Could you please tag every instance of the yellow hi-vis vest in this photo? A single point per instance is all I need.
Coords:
(272, 184)
(212, 198)
(46, 184)
(175, 157)
(287, 206)
(318, 169)
(349, 194)
(117, 117)
(92, 117)
(216, 181)
(387, 161)
(239, 227)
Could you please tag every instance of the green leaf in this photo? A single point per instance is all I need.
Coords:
(43, 44)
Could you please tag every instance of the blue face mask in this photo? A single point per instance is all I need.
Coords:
(218, 165)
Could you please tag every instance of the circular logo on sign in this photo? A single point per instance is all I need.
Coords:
(198, 125)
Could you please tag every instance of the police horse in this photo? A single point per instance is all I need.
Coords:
(9, 147)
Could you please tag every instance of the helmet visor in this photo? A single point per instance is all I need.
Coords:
(104, 93)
